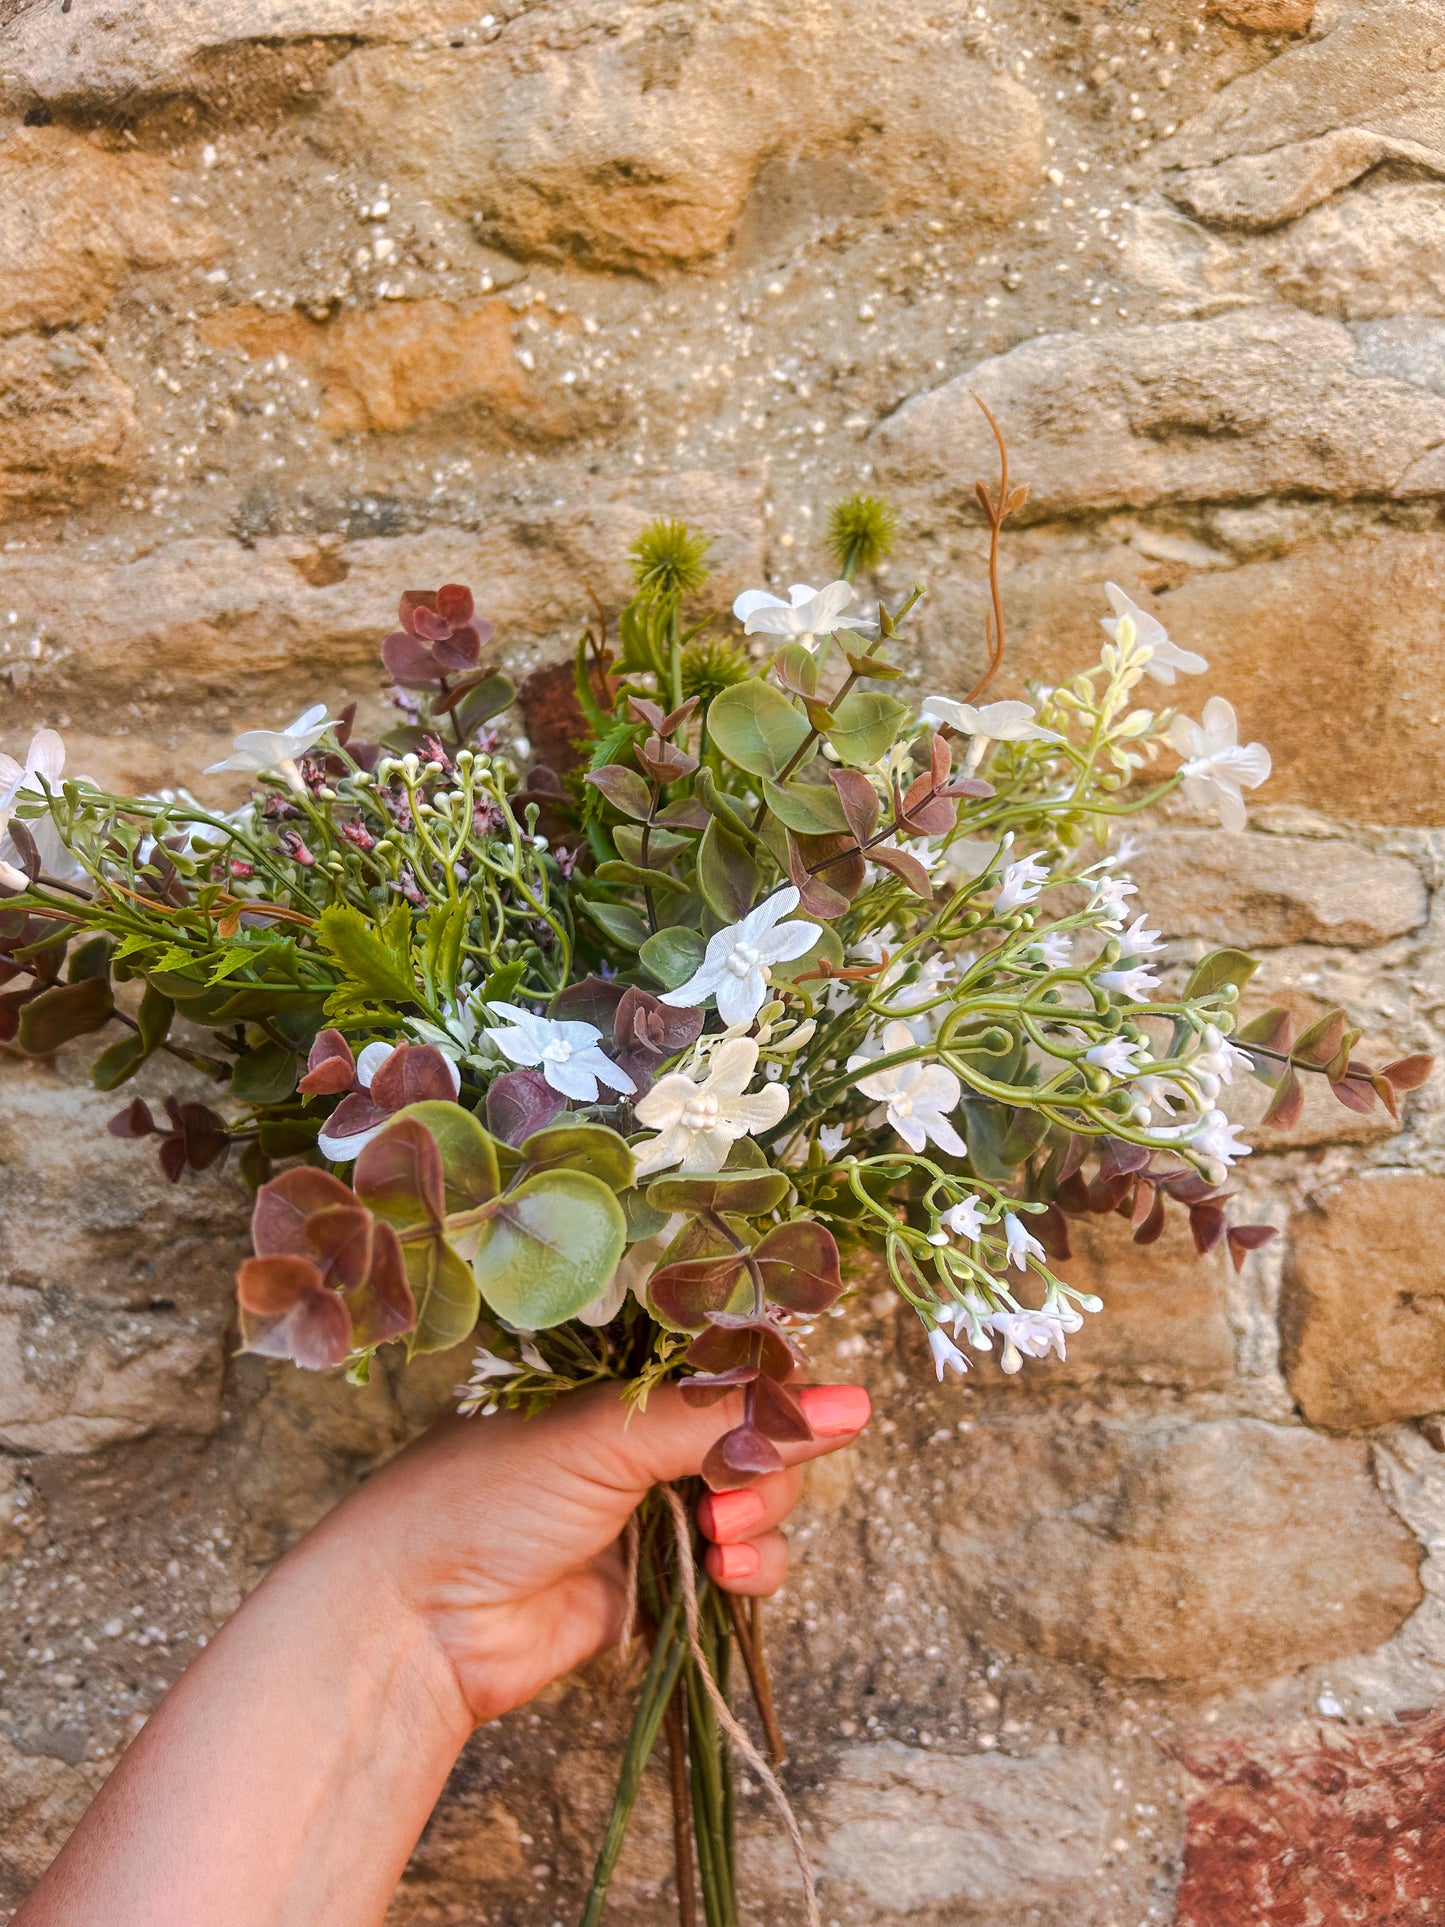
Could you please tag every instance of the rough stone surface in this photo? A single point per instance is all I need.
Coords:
(1266, 890)
(1264, 401)
(67, 421)
(1362, 1319)
(1196, 1552)
(75, 219)
(1298, 1826)
(303, 303)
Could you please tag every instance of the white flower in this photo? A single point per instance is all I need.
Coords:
(458, 1040)
(1139, 940)
(477, 1392)
(810, 613)
(1022, 882)
(832, 1138)
(1109, 895)
(1115, 1056)
(698, 1124)
(1219, 1141)
(1027, 1334)
(735, 964)
(1135, 983)
(1054, 949)
(946, 1355)
(567, 1054)
(44, 762)
(964, 1219)
(1022, 1245)
(342, 1147)
(917, 1095)
(1144, 636)
(278, 749)
(1217, 765)
(1217, 1062)
(1008, 722)
(973, 1316)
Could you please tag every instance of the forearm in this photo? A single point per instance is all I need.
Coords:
(286, 1777)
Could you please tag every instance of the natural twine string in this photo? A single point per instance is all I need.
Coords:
(735, 1732)
(632, 1554)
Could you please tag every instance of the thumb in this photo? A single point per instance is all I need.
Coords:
(634, 1449)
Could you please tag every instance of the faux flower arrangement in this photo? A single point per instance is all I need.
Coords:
(601, 1070)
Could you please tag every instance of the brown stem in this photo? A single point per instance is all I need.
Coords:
(681, 1804)
(997, 511)
(748, 1631)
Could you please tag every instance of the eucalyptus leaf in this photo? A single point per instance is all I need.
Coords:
(582, 1147)
(63, 1012)
(447, 1298)
(808, 807)
(756, 727)
(726, 874)
(551, 1249)
(866, 725)
(266, 1075)
(624, 926)
(1218, 968)
(746, 1192)
(672, 956)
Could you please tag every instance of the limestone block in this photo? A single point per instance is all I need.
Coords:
(1193, 1552)
(67, 420)
(384, 368)
(631, 138)
(1362, 1316)
(1265, 16)
(912, 1831)
(1316, 1822)
(1260, 401)
(1365, 255)
(1265, 890)
(75, 217)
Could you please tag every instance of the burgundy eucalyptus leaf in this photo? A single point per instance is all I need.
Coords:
(1106, 1194)
(413, 1074)
(357, 1112)
(339, 1238)
(200, 1131)
(1244, 1238)
(1118, 1157)
(282, 1207)
(134, 1121)
(1072, 1194)
(643, 1022)
(623, 788)
(1356, 1090)
(1288, 1102)
(778, 1415)
(382, 1306)
(521, 1102)
(440, 635)
(687, 1294)
(287, 1312)
(859, 800)
(1207, 1224)
(746, 1449)
(594, 1000)
(904, 864)
(1409, 1073)
(399, 1175)
(708, 1388)
(800, 1267)
(1051, 1228)
(1150, 1229)
(330, 1067)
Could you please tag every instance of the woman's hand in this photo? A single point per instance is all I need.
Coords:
(287, 1775)
(503, 1533)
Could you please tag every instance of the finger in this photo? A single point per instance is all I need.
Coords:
(754, 1567)
(669, 1439)
(729, 1516)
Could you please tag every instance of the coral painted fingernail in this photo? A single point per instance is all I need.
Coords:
(835, 1410)
(736, 1562)
(729, 1515)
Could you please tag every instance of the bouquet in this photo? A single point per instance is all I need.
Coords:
(604, 1071)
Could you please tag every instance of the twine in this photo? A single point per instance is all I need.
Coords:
(736, 1733)
(632, 1561)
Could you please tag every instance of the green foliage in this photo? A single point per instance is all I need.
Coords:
(551, 1248)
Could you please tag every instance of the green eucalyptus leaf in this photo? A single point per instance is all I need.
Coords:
(483, 701)
(796, 667)
(447, 1299)
(662, 845)
(288, 1137)
(582, 1147)
(468, 1153)
(756, 727)
(726, 874)
(624, 926)
(88, 959)
(866, 725)
(63, 1012)
(551, 1249)
(642, 1220)
(745, 1192)
(1218, 968)
(154, 1018)
(672, 956)
(638, 878)
(812, 808)
(266, 1075)
(117, 1062)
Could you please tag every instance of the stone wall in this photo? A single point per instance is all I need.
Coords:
(306, 301)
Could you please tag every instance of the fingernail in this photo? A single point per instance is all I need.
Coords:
(736, 1562)
(835, 1410)
(729, 1515)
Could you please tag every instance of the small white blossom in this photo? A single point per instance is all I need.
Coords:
(1135, 982)
(973, 1316)
(1022, 882)
(44, 762)
(1217, 1062)
(1109, 896)
(1219, 1141)
(1115, 1055)
(477, 1393)
(1007, 722)
(1022, 1244)
(1054, 949)
(569, 1055)
(808, 614)
(916, 1095)
(1218, 767)
(1027, 1334)
(278, 749)
(734, 967)
(1142, 635)
(831, 1139)
(964, 1219)
(946, 1355)
(698, 1124)
(1139, 940)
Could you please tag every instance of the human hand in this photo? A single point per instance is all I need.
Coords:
(503, 1535)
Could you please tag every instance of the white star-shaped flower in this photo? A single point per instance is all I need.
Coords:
(946, 1355)
(567, 1054)
(1134, 983)
(1027, 1334)
(1022, 882)
(278, 749)
(698, 1124)
(1022, 1245)
(917, 1095)
(809, 614)
(1006, 722)
(1116, 1056)
(1138, 633)
(964, 1219)
(734, 968)
(1218, 765)
(44, 762)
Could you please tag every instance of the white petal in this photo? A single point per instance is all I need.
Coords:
(911, 1130)
(307, 720)
(572, 1079)
(757, 1110)
(828, 606)
(751, 600)
(663, 1105)
(657, 1153)
(606, 1072)
(568, 1031)
(45, 756)
(758, 922)
(739, 999)
(707, 1151)
(231, 762)
(779, 621)
(515, 1044)
(732, 1067)
(943, 709)
(341, 1150)
(370, 1061)
(789, 942)
(1221, 725)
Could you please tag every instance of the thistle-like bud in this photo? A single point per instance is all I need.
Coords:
(862, 529)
